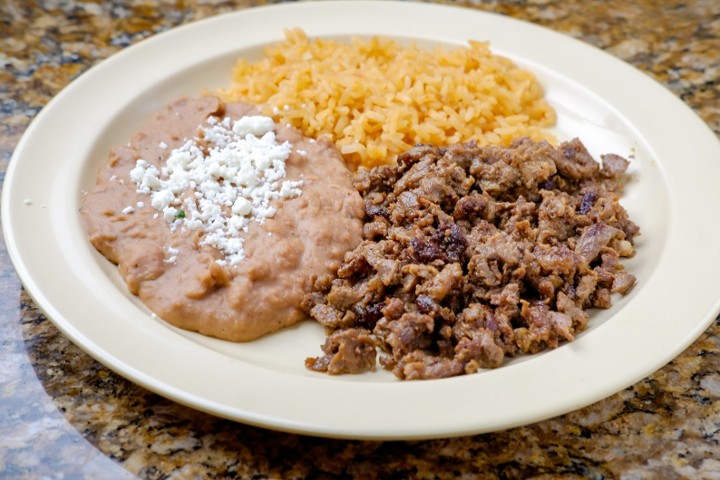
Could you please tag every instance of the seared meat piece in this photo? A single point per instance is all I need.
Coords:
(330, 317)
(474, 254)
(420, 365)
(613, 166)
(574, 161)
(346, 351)
(596, 237)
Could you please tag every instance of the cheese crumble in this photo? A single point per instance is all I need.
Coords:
(220, 181)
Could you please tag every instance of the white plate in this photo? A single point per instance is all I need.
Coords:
(609, 105)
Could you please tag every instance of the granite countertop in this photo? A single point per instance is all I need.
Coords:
(63, 415)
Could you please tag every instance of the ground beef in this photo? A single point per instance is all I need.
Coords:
(473, 254)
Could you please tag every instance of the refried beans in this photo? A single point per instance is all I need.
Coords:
(187, 281)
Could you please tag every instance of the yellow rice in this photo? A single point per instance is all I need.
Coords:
(376, 98)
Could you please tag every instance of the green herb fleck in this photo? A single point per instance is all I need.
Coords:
(180, 214)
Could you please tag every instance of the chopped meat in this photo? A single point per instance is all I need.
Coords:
(346, 351)
(574, 161)
(596, 237)
(614, 166)
(331, 317)
(475, 254)
(623, 282)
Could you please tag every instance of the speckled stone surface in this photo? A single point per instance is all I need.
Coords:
(63, 415)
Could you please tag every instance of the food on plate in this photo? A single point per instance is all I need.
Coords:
(219, 220)
(472, 254)
(376, 98)
(462, 238)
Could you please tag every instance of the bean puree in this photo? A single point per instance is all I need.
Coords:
(187, 282)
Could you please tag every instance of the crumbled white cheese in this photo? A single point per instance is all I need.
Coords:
(128, 209)
(172, 254)
(233, 171)
(256, 126)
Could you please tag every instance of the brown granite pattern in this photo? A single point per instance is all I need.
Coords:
(63, 415)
